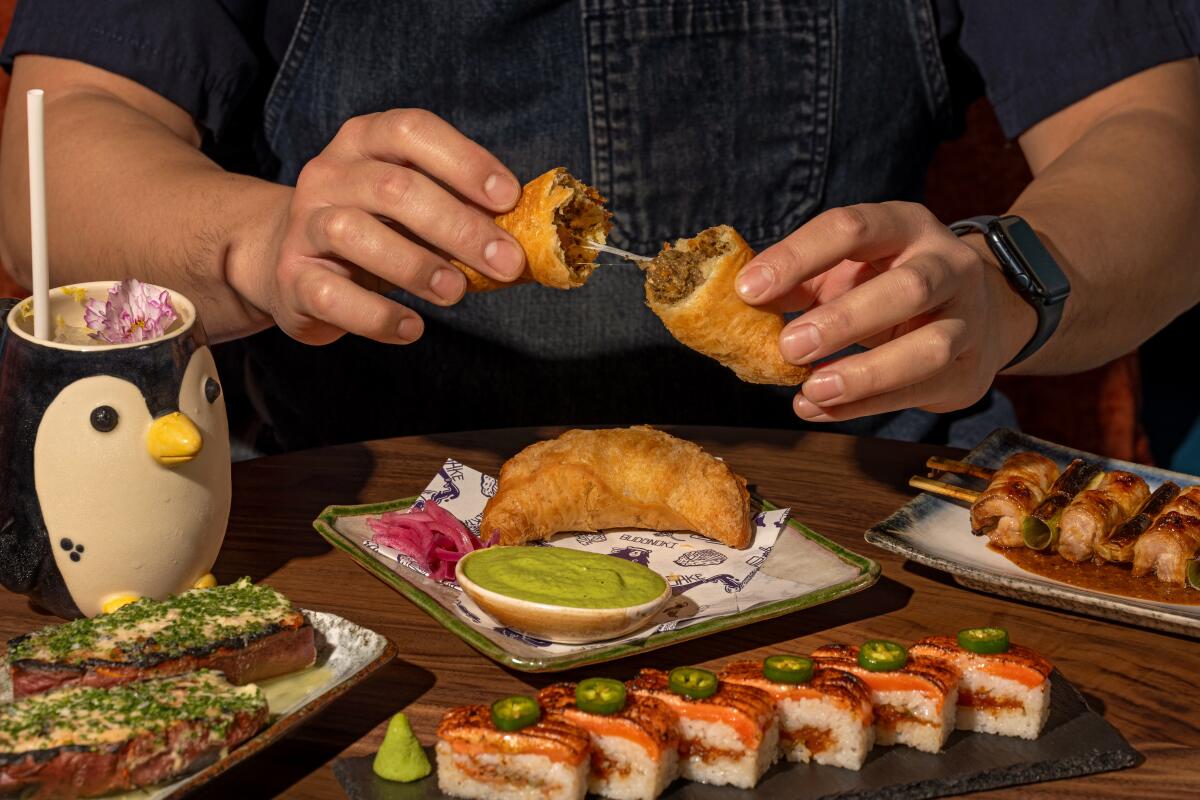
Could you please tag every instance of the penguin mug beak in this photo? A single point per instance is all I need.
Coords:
(173, 439)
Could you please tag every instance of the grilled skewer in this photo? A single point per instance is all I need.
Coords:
(1118, 546)
(1016, 489)
(1094, 513)
(1084, 507)
(1169, 549)
(1013, 492)
(1039, 529)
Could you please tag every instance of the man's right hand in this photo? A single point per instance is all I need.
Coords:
(385, 204)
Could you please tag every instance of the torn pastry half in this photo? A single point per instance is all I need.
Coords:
(559, 222)
(690, 286)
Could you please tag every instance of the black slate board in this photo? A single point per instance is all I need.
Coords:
(1076, 741)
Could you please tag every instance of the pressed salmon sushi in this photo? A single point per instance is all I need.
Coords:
(827, 719)
(913, 705)
(544, 761)
(1005, 693)
(727, 738)
(635, 750)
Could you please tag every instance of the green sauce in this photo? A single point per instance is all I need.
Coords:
(561, 577)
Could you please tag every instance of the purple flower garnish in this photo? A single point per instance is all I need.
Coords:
(133, 312)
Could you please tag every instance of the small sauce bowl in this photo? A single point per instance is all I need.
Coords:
(563, 624)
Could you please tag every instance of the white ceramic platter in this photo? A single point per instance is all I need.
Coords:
(936, 532)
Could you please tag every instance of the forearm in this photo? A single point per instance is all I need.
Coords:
(129, 197)
(1120, 209)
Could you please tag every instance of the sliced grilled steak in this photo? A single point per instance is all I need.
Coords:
(249, 632)
(86, 741)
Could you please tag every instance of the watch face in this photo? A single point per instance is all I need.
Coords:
(1040, 266)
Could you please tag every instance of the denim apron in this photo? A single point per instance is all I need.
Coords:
(683, 113)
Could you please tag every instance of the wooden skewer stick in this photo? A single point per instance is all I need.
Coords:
(943, 489)
(937, 465)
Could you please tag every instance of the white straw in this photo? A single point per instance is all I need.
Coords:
(37, 214)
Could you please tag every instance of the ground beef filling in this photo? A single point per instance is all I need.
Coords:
(675, 273)
(580, 221)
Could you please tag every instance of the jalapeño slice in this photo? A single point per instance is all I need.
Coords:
(983, 640)
(879, 655)
(692, 682)
(600, 696)
(788, 669)
(516, 712)
(1193, 573)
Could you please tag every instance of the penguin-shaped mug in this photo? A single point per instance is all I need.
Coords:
(114, 460)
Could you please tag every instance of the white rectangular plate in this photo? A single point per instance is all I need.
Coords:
(937, 532)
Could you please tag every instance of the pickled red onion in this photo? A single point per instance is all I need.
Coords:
(431, 536)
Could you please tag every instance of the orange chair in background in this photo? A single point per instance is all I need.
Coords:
(7, 287)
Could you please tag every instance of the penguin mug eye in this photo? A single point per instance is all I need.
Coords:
(104, 418)
(212, 390)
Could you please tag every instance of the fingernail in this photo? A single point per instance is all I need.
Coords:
(448, 284)
(755, 280)
(823, 387)
(805, 409)
(501, 189)
(505, 257)
(799, 343)
(410, 329)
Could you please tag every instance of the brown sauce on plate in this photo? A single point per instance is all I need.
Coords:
(1105, 577)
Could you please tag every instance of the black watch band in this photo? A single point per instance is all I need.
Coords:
(1030, 269)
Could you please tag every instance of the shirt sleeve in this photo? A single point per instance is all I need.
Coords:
(194, 53)
(1037, 58)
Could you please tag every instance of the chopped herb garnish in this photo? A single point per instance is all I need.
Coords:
(151, 630)
(87, 716)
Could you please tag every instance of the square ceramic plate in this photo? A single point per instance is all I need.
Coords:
(937, 532)
(346, 655)
(345, 528)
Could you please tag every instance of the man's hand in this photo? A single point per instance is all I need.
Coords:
(937, 314)
(384, 204)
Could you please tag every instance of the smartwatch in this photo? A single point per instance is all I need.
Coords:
(1029, 268)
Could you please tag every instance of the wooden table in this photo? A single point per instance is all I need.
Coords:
(1144, 682)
